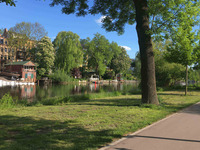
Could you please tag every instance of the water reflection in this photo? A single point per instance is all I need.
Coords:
(34, 92)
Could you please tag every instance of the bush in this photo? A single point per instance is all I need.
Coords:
(7, 101)
(61, 76)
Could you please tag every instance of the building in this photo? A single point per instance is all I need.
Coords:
(26, 70)
(12, 53)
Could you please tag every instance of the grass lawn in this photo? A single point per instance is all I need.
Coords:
(86, 124)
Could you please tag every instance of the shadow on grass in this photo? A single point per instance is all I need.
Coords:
(178, 94)
(123, 102)
(17, 133)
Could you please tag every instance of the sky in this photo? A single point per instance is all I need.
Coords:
(54, 22)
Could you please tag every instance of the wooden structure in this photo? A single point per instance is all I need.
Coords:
(25, 69)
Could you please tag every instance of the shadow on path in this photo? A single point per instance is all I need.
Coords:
(163, 138)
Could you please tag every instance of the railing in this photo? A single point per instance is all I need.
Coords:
(29, 70)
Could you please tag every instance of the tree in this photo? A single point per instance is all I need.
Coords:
(23, 36)
(181, 49)
(150, 16)
(167, 73)
(8, 2)
(45, 56)
(34, 31)
(194, 75)
(99, 54)
(69, 54)
(120, 62)
(137, 66)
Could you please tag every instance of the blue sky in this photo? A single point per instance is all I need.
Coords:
(54, 21)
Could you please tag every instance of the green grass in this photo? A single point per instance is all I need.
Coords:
(84, 124)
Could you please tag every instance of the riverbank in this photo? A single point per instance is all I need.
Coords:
(84, 124)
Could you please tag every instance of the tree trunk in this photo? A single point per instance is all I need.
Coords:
(148, 80)
(186, 79)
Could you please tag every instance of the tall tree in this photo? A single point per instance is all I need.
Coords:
(99, 54)
(45, 56)
(34, 31)
(69, 52)
(120, 62)
(184, 39)
(150, 16)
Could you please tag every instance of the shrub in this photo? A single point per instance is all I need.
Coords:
(61, 76)
(7, 101)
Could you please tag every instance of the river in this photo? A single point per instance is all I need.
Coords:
(35, 92)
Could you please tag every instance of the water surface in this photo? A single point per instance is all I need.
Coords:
(35, 92)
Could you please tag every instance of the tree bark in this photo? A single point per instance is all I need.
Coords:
(148, 80)
(186, 79)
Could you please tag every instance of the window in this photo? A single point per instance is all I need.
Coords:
(6, 42)
(1, 57)
(6, 50)
(9, 57)
(1, 41)
(2, 49)
(5, 57)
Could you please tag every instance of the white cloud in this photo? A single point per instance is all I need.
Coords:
(99, 21)
(126, 48)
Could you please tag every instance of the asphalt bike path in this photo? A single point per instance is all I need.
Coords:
(180, 131)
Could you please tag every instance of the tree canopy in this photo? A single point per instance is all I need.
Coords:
(120, 62)
(33, 31)
(69, 52)
(45, 56)
(99, 54)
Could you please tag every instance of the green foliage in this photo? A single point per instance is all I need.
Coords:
(7, 101)
(129, 76)
(99, 54)
(69, 52)
(8, 2)
(45, 56)
(194, 75)
(109, 75)
(167, 73)
(183, 35)
(137, 66)
(61, 76)
(120, 62)
(163, 14)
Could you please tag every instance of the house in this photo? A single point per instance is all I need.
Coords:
(26, 70)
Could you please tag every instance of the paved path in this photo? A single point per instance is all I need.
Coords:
(180, 131)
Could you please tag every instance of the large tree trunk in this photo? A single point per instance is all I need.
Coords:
(148, 81)
(186, 79)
